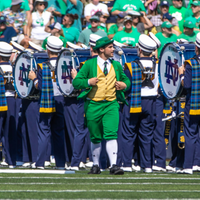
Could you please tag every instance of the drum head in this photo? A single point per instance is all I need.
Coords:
(22, 84)
(63, 71)
(170, 61)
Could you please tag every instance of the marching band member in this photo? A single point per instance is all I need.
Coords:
(189, 74)
(159, 146)
(104, 82)
(51, 117)
(138, 117)
(9, 136)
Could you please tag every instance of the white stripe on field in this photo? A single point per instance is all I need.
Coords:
(35, 171)
(66, 191)
(102, 178)
(116, 183)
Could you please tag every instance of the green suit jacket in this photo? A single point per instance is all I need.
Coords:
(89, 70)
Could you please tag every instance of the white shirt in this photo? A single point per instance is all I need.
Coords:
(146, 91)
(91, 9)
(56, 90)
(100, 63)
(8, 68)
(38, 30)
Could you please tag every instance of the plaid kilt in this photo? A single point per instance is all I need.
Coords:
(195, 90)
(47, 101)
(135, 104)
(3, 101)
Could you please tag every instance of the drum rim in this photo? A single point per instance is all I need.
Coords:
(56, 74)
(18, 57)
(159, 77)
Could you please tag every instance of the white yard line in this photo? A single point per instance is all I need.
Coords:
(35, 171)
(104, 178)
(116, 183)
(116, 191)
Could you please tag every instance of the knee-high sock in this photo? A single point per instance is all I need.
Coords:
(112, 148)
(96, 150)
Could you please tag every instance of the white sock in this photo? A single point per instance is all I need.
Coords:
(112, 148)
(96, 150)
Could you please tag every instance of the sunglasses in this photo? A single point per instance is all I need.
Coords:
(178, 0)
(105, 17)
(95, 21)
(42, 4)
(135, 17)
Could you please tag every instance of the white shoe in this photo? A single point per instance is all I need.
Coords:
(186, 171)
(75, 168)
(38, 167)
(148, 170)
(170, 169)
(82, 165)
(136, 168)
(195, 168)
(4, 163)
(19, 163)
(89, 164)
(26, 164)
(47, 164)
(127, 169)
(12, 166)
(158, 169)
(33, 165)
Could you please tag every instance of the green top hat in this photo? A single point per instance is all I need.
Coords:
(102, 42)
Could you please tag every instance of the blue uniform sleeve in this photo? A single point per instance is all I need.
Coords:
(39, 76)
(188, 77)
(128, 74)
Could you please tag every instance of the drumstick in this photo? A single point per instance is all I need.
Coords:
(182, 49)
(73, 62)
(120, 53)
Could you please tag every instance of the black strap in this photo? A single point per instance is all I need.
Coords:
(197, 59)
(50, 66)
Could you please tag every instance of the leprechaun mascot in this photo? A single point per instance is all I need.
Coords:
(105, 83)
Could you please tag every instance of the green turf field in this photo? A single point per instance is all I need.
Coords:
(104, 186)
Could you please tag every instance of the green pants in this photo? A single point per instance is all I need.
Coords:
(102, 120)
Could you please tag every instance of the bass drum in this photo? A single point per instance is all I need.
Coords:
(125, 54)
(172, 57)
(21, 69)
(23, 85)
(67, 60)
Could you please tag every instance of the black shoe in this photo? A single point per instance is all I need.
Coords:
(95, 170)
(115, 170)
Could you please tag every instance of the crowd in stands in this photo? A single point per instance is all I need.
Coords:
(121, 20)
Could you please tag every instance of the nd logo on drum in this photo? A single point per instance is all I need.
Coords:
(23, 74)
(66, 69)
(171, 70)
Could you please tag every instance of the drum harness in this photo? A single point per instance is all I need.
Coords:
(9, 77)
(147, 73)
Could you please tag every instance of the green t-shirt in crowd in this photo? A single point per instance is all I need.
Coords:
(164, 40)
(128, 38)
(189, 38)
(124, 5)
(179, 14)
(7, 4)
(60, 37)
(84, 36)
(113, 29)
(71, 34)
